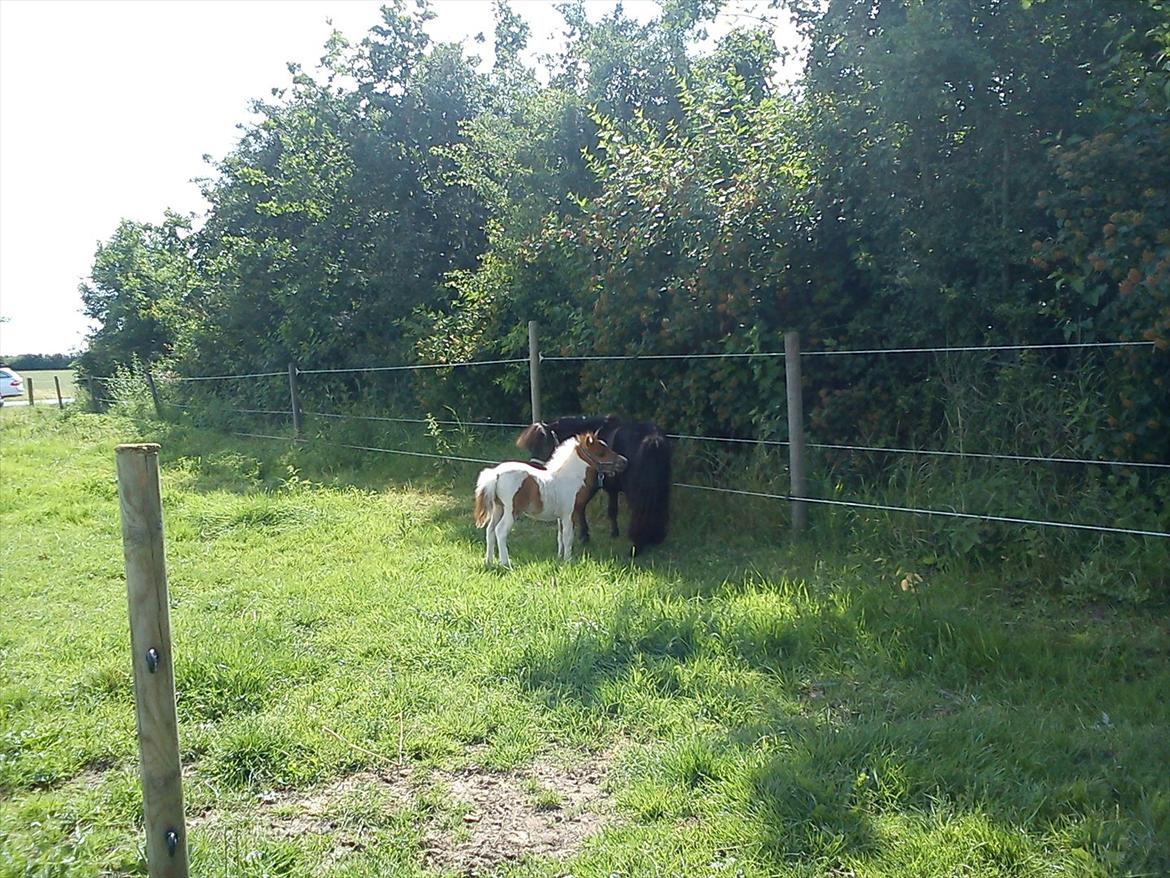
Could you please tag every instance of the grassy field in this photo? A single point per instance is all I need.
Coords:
(43, 386)
(358, 696)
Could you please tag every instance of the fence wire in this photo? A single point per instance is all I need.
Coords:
(852, 504)
(947, 513)
(408, 367)
(839, 353)
(924, 451)
(414, 420)
(228, 377)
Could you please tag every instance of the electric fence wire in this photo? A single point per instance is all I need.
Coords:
(408, 367)
(415, 420)
(838, 353)
(852, 504)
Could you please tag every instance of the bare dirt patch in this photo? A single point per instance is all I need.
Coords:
(487, 817)
(547, 811)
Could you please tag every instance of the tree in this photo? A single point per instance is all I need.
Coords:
(140, 291)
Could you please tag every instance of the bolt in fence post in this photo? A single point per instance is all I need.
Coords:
(534, 370)
(295, 397)
(93, 400)
(797, 487)
(30, 390)
(150, 643)
(154, 395)
(60, 399)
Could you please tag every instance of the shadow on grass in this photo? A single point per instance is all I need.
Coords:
(962, 697)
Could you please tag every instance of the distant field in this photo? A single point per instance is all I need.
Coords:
(42, 379)
(360, 697)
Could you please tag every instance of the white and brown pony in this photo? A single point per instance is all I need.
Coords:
(511, 489)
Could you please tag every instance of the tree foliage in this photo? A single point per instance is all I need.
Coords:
(951, 172)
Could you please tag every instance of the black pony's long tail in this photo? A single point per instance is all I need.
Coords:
(647, 488)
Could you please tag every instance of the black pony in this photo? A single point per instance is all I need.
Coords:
(645, 482)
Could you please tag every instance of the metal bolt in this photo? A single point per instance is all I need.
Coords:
(172, 841)
(152, 659)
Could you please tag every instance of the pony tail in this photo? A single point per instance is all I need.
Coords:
(647, 487)
(485, 497)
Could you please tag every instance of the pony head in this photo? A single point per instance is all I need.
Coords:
(539, 441)
(599, 455)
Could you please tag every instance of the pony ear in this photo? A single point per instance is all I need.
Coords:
(525, 439)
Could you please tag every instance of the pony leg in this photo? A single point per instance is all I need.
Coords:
(566, 537)
(502, 529)
(579, 516)
(493, 522)
(613, 513)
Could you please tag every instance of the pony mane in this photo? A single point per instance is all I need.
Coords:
(564, 451)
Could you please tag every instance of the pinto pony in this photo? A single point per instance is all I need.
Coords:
(510, 489)
(646, 482)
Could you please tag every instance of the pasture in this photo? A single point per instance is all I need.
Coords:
(360, 696)
(43, 386)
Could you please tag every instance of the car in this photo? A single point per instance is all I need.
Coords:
(11, 384)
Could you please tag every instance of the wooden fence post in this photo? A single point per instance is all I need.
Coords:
(60, 399)
(93, 399)
(150, 643)
(796, 472)
(30, 390)
(295, 397)
(534, 370)
(154, 395)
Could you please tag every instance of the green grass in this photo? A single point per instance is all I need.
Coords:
(774, 709)
(43, 386)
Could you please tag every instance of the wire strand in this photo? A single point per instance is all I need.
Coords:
(413, 366)
(988, 456)
(929, 350)
(853, 504)
(947, 513)
(229, 377)
(370, 448)
(926, 451)
(415, 420)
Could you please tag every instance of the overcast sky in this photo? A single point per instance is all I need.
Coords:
(107, 109)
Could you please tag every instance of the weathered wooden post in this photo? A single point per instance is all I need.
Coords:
(797, 487)
(154, 395)
(93, 398)
(150, 644)
(295, 396)
(60, 399)
(30, 391)
(534, 370)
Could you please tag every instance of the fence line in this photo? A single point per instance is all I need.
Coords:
(948, 513)
(725, 439)
(923, 451)
(227, 377)
(852, 504)
(792, 353)
(986, 456)
(401, 451)
(416, 420)
(283, 413)
(410, 366)
(835, 353)
(730, 355)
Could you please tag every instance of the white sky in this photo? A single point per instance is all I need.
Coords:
(107, 109)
